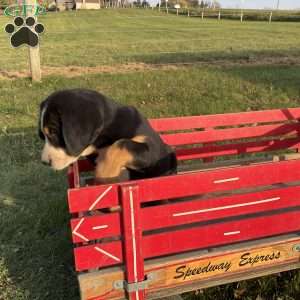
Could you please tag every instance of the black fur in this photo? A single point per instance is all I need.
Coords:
(78, 118)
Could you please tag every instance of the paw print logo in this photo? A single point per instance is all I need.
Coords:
(24, 31)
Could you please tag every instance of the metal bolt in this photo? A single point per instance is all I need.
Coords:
(297, 248)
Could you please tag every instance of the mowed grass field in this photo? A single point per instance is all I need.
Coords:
(164, 65)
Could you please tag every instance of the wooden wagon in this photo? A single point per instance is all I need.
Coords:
(231, 213)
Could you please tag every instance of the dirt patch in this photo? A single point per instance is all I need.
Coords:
(74, 71)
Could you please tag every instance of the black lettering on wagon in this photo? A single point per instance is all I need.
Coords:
(248, 259)
(183, 272)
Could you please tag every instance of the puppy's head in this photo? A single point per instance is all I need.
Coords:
(69, 123)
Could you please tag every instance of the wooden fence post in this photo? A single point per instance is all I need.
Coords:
(34, 53)
(270, 18)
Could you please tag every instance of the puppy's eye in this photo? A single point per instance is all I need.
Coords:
(49, 131)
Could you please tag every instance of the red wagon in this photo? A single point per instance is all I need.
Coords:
(231, 213)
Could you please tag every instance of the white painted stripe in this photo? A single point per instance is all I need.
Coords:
(100, 197)
(232, 232)
(107, 253)
(100, 227)
(227, 180)
(78, 225)
(78, 234)
(81, 236)
(225, 207)
(133, 239)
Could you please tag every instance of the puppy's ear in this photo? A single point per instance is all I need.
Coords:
(80, 128)
(40, 133)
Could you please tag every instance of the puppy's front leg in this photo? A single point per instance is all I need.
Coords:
(113, 161)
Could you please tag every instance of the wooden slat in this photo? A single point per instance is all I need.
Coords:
(237, 148)
(216, 208)
(229, 119)
(226, 179)
(91, 198)
(209, 136)
(100, 285)
(212, 235)
(95, 227)
(220, 234)
(98, 256)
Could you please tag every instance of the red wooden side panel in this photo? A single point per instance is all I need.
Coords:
(220, 234)
(95, 227)
(98, 256)
(236, 149)
(218, 208)
(229, 119)
(209, 136)
(93, 197)
(189, 239)
(218, 180)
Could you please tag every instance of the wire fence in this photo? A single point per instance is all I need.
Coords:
(236, 14)
(83, 40)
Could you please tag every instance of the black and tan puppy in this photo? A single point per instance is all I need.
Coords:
(79, 122)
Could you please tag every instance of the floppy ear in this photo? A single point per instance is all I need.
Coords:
(80, 128)
(41, 135)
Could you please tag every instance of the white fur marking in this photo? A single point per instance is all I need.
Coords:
(42, 117)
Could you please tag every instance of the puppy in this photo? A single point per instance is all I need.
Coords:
(79, 122)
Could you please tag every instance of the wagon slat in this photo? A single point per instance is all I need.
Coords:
(237, 148)
(220, 234)
(218, 208)
(91, 198)
(212, 235)
(95, 227)
(178, 139)
(230, 119)
(218, 180)
(98, 256)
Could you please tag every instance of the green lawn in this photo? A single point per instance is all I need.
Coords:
(106, 37)
(232, 67)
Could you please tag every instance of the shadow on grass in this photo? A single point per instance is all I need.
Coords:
(228, 56)
(35, 248)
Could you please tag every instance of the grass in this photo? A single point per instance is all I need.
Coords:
(36, 259)
(143, 36)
